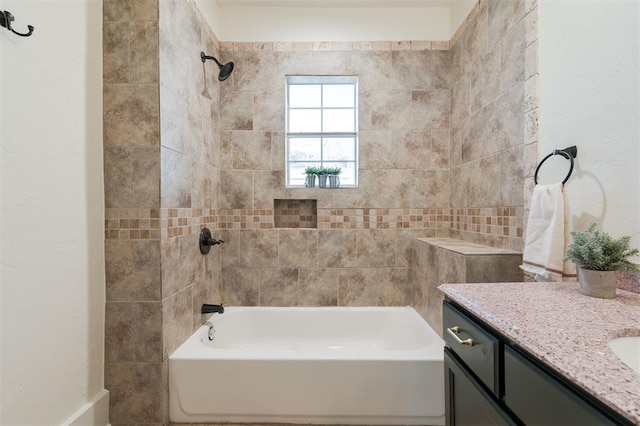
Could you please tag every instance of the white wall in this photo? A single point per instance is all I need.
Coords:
(256, 24)
(459, 11)
(589, 97)
(340, 20)
(211, 13)
(51, 213)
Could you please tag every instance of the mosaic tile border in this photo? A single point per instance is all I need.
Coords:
(498, 221)
(154, 224)
(132, 224)
(370, 218)
(178, 222)
(246, 219)
(145, 224)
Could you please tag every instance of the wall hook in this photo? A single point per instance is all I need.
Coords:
(5, 21)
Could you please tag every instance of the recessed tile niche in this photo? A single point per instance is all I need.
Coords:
(295, 213)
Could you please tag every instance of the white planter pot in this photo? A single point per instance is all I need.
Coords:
(600, 284)
(310, 181)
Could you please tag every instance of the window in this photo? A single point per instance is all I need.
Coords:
(322, 126)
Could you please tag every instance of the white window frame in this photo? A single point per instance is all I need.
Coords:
(321, 80)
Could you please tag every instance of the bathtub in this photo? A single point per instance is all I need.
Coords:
(370, 365)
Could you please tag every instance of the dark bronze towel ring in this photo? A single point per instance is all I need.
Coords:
(568, 153)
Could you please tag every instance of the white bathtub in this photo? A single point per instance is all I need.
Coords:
(310, 365)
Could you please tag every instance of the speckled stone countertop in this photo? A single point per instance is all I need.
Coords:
(565, 330)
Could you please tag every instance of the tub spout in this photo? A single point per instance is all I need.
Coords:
(211, 309)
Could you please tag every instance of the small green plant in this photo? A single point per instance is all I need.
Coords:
(333, 170)
(311, 170)
(597, 250)
(322, 171)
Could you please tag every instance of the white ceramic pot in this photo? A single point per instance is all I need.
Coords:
(600, 284)
(310, 181)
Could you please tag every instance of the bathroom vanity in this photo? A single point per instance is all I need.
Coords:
(537, 353)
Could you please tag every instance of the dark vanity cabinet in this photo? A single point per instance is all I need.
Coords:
(466, 402)
(491, 381)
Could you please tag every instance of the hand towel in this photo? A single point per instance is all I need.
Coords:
(548, 234)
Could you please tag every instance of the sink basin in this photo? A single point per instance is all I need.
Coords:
(628, 350)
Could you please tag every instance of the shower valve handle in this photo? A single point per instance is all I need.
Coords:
(207, 241)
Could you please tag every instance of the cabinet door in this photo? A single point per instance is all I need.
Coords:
(539, 399)
(466, 402)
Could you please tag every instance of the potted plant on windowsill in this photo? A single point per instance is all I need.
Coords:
(334, 179)
(598, 256)
(310, 179)
(322, 177)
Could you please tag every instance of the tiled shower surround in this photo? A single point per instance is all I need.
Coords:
(447, 142)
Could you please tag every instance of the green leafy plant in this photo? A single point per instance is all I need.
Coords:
(311, 170)
(322, 171)
(332, 170)
(597, 250)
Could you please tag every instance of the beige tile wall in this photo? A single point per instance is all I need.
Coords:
(183, 151)
(445, 260)
(133, 324)
(449, 130)
(493, 140)
(360, 252)
(189, 157)
(161, 181)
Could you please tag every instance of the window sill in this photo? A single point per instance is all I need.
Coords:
(317, 187)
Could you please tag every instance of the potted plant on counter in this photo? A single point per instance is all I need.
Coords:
(598, 256)
(310, 179)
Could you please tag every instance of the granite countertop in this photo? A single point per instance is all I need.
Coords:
(565, 330)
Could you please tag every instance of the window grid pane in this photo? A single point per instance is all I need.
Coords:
(305, 120)
(338, 95)
(305, 96)
(330, 129)
(338, 120)
(335, 152)
(305, 149)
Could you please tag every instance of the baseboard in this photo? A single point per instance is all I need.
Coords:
(94, 413)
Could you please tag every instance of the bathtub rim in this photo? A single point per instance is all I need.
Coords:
(194, 349)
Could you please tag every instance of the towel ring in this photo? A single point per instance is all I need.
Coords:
(569, 153)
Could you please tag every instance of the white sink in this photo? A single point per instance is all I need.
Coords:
(628, 350)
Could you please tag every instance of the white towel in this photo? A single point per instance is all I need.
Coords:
(548, 234)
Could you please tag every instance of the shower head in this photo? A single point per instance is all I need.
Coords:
(225, 69)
